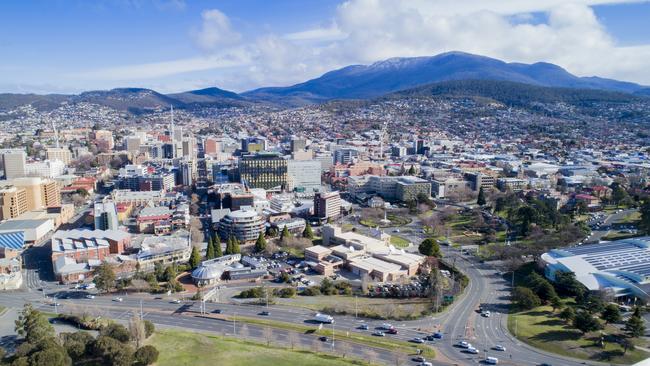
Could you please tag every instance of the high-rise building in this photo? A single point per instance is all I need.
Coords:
(13, 163)
(106, 137)
(62, 154)
(213, 145)
(253, 144)
(345, 155)
(327, 205)
(41, 193)
(189, 147)
(105, 216)
(45, 169)
(186, 172)
(298, 144)
(132, 144)
(263, 170)
(13, 202)
(303, 175)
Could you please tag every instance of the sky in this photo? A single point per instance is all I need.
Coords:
(69, 46)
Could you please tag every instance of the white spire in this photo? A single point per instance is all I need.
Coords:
(56, 134)
(172, 121)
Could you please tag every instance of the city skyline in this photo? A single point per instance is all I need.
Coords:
(172, 46)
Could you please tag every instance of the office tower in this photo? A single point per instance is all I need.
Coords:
(59, 153)
(253, 144)
(106, 137)
(105, 216)
(263, 170)
(298, 144)
(132, 144)
(327, 205)
(186, 172)
(213, 145)
(304, 175)
(188, 146)
(345, 155)
(45, 169)
(41, 193)
(13, 202)
(13, 162)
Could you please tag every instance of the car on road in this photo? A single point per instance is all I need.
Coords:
(499, 347)
(419, 359)
(323, 339)
(323, 318)
(438, 335)
(55, 304)
(118, 299)
(265, 313)
(472, 350)
(464, 344)
(491, 360)
(387, 326)
(392, 331)
(379, 333)
(486, 313)
(364, 327)
(544, 364)
(417, 340)
(89, 296)
(426, 364)
(175, 301)
(216, 311)
(429, 338)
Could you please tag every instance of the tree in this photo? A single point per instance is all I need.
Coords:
(585, 322)
(626, 343)
(235, 245)
(327, 287)
(430, 247)
(209, 251)
(618, 194)
(149, 328)
(567, 314)
(260, 244)
(54, 355)
(146, 355)
(33, 326)
(229, 244)
(644, 223)
(525, 298)
(116, 331)
(481, 197)
(195, 258)
(412, 170)
(216, 242)
(635, 326)
(308, 232)
(137, 330)
(556, 302)
(285, 233)
(77, 344)
(112, 351)
(567, 285)
(104, 277)
(611, 314)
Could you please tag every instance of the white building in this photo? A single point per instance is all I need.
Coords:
(45, 169)
(304, 175)
(13, 163)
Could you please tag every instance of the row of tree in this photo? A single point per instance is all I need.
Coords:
(115, 345)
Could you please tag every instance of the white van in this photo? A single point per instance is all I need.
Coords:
(492, 360)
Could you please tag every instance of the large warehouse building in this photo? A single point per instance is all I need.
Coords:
(621, 266)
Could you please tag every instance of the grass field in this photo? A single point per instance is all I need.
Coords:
(542, 329)
(366, 306)
(631, 218)
(398, 241)
(179, 348)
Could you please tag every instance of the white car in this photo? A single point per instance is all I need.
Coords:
(492, 360)
(465, 344)
(118, 299)
(499, 347)
(472, 350)
(486, 313)
(426, 364)
(387, 326)
(89, 296)
(176, 301)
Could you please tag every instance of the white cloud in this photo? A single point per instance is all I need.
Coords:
(365, 31)
(215, 31)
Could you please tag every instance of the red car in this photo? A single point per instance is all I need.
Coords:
(392, 331)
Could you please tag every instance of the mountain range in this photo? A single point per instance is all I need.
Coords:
(395, 75)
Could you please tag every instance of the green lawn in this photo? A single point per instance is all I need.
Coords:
(398, 241)
(178, 348)
(631, 218)
(542, 329)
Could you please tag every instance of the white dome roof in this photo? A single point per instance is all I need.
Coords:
(206, 273)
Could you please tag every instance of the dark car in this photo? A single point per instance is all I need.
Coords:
(323, 339)
(265, 313)
(217, 311)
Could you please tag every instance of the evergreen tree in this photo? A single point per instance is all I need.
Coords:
(567, 314)
(235, 245)
(308, 233)
(285, 233)
(481, 197)
(229, 245)
(104, 277)
(260, 244)
(412, 170)
(209, 252)
(611, 314)
(216, 243)
(195, 258)
(635, 326)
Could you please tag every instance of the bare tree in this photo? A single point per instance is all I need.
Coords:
(268, 334)
(293, 340)
(137, 329)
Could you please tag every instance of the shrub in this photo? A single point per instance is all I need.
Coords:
(311, 291)
(146, 355)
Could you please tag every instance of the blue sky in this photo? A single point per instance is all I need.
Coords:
(174, 45)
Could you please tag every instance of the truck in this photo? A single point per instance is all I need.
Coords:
(323, 318)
